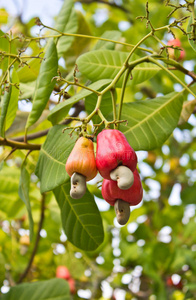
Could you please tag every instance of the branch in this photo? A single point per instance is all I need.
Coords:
(79, 106)
(19, 145)
(26, 271)
(112, 4)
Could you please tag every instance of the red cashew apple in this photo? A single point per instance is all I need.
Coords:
(72, 287)
(62, 272)
(122, 199)
(113, 150)
(111, 192)
(172, 52)
(81, 166)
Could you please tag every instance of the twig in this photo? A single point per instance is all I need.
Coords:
(79, 106)
(19, 145)
(26, 271)
(113, 4)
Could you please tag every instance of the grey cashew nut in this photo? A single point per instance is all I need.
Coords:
(78, 186)
(124, 177)
(122, 210)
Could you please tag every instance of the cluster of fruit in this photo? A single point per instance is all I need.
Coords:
(63, 272)
(116, 162)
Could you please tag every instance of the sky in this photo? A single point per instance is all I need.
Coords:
(45, 9)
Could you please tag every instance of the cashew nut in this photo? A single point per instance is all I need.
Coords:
(124, 177)
(122, 210)
(78, 185)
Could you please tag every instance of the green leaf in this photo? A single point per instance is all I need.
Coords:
(27, 90)
(24, 195)
(13, 103)
(188, 195)
(111, 35)
(60, 111)
(1, 165)
(29, 72)
(102, 64)
(4, 109)
(191, 37)
(6, 47)
(10, 204)
(53, 289)
(151, 122)
(44, 83)
(66, 23)
(187, 110)
(53, 155)
(2, 269)
(81, 219)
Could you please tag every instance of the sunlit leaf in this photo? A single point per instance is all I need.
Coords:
(105, 64)
(4, 109)
(66, 23)
(187, 110)
(13, 103)
(29, 72)
(111, 35)
(44, 83)
(5, 47)
(27, 90)
(81, 219)
(151, 122)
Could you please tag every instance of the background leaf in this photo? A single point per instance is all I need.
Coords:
(4, 108)
(189, 29)
(44, 83)
(13, 103)
(67, 23)
(10, 203)
(53, 289)
(27, 90)
(60, 111)
(29, 72)
(81, 219)
(24, 195)
(53, 155)
(188, 195)
(111, 35)
(152, 121)
(4, 46)
(187, 110)
(101, 64)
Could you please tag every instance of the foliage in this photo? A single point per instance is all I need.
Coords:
(80, 76)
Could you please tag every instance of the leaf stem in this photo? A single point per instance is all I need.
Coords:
(122, 94)
(173, 75)
(84, 36)
(6, 73)
(80, 85)
(112, 91)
